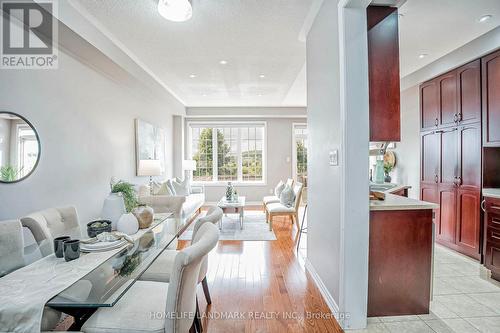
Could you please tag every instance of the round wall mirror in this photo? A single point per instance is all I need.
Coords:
(19, 147)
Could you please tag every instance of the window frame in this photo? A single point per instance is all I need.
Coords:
(228, 124)
(294, 146)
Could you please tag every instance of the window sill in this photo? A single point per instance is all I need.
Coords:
(224, 184)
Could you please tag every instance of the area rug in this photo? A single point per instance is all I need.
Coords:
(255, 228)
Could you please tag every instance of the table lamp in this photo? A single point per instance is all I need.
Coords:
(149, 168)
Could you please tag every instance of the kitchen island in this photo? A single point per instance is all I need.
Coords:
(400, 256)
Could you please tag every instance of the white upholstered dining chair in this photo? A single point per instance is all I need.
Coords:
(48, 224)
(11, 246)
(150, 306)
(11, 258)
(160, 270)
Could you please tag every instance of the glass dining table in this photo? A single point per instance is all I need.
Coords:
(109, 281)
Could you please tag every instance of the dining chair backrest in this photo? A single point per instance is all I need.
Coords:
(297, 190)
(31, 250)
(214, 215)
(11, 246)
(51, 223)
(181, 297)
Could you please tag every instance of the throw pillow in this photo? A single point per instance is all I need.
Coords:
(287, 197)
(170, 186)
(279, 188)
(155, 187)
(164, 190)
(181, 188)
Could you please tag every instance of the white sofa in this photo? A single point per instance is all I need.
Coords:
(181, 206)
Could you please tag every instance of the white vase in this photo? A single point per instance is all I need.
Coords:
(113, 208)
(127, 224)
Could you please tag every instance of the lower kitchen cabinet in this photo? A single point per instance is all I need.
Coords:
(492, 238)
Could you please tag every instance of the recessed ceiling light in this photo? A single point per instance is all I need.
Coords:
(192, 76)
(223, 62)
(262, 76)
(485, 18)
(260, 95)
(204, 95)
(175, 10)
(422, 56)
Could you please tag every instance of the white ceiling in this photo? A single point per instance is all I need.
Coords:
(437, 27)
(265, 37)
(254, 37)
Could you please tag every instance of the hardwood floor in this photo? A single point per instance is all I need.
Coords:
(263, 287)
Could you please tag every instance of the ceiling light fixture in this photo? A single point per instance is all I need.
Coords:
(175, 10)
(192, 76)
(223, 62)
(485, 18)
(262, 76)
(422, 56)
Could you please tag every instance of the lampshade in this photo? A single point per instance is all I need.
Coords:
(149, 168)
(189, 165)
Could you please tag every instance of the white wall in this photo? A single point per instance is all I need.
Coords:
(407, 151)
(279, 146)
(323, 100)
(84, 113)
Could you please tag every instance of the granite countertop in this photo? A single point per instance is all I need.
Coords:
(491, 192)
(397, 202)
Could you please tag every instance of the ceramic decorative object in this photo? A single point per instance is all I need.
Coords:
(229, 191)
(144, 215)
(379, 172)
(113, 208)
(127, 224)
(96, 227)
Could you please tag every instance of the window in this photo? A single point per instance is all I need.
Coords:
(300, 153)
(228, 152)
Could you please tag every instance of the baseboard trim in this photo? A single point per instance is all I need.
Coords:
(330, 301)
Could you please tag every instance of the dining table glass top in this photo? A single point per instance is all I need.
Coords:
(109, 281)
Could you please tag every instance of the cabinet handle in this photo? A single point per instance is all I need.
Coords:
(455, 118)
(436, 178)
(460, 116)
(459, 180)
(482, 205)
(436, 122)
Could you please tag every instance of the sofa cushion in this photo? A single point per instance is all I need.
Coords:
(192, 203)
(170, 186)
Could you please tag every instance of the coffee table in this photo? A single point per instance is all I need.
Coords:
(233, 207)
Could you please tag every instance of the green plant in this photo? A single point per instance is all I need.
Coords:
(9, 173)
(388, 168)
(128, 193)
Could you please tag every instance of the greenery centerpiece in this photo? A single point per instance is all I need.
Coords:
(9, 173)
(128, 193)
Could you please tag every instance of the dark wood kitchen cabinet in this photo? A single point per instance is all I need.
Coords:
(457, 187)
(469, 92)
(429, 105)
(491, 99)
(447, 85)
(492, 238)
(383, 73)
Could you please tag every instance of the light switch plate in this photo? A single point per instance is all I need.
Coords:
(334, 157)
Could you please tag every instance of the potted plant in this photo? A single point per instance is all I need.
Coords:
(128, 193)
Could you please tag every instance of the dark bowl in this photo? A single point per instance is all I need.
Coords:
(94, 231)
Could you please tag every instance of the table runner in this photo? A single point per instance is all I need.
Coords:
(24, 292)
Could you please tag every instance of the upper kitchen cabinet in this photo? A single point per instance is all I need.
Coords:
(491, 99)
(452, 99)
(429, 104)
(383, 67)
(469, 93)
